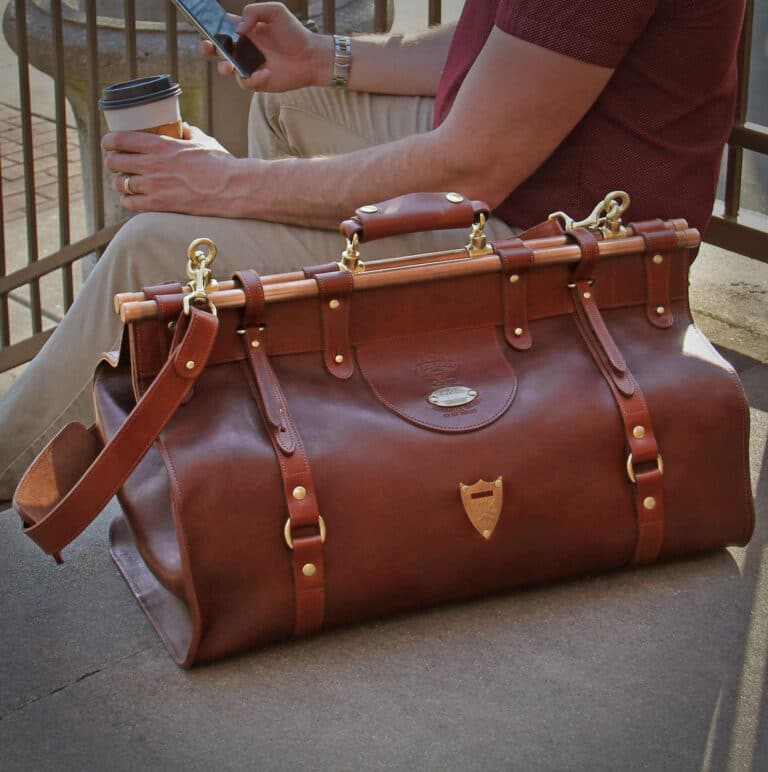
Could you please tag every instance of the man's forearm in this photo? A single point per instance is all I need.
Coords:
(320, 192)
(392, 64)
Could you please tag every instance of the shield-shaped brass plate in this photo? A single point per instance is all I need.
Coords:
(482, 504)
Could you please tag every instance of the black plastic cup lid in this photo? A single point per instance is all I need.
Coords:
(141, 91)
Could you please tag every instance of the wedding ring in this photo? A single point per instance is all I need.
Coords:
(127, 185)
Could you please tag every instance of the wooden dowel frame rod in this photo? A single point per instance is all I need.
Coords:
(377, 265)
(442, 268)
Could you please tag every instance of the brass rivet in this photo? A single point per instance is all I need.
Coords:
(455, 198)
(638, 432)
(334, 304)
(487, 534)
(191, 365)
(171, 325)
(518, 331)
(513, 278)
(369, 209)
(472, 393)
(660, 310)
(587, 295)
(658, 259)
(299, 493)
(498, 483)
(309, 569)
(649, 502)
(241, 331)
(255, 343)
(338, 359)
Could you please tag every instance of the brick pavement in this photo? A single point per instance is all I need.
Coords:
(46, 164)
(13, 224)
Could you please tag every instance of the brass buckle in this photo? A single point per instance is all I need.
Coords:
(605, 218)
(289, 537)
(631, 467)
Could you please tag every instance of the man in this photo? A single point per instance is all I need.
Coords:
(540, 105)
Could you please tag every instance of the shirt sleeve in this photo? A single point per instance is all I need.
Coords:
(595, 31)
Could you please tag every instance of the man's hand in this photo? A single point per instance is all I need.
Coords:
(189, 175)
(295, 56)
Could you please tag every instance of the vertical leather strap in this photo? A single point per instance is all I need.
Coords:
(516, 261)
(590, 254)
(658, 242)
(149, 342)
(335, 291)
(644, 462)
(305, 529)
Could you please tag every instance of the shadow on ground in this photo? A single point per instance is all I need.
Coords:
(660, 668)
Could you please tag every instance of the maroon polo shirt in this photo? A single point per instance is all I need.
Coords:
(658, 128)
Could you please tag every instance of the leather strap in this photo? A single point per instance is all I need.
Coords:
(516, 261)
(334, 297)
(311, 271)
(298, 483)
(658, 242)
(543, 230)
(590, 254)
(152, 337)
(74, 478)
(645, 459)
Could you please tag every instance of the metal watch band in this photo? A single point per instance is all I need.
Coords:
(342, 60)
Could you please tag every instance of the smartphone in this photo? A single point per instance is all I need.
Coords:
(214, 23)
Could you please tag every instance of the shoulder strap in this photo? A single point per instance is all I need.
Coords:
(74, 478)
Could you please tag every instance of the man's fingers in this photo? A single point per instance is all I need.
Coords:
(125, 163)
(207, 48)
(133, 142)
(132, 188)
(137, 203)
(225, 67)
(258, 81)
(259, 12)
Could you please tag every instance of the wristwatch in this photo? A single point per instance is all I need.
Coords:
(342, 60)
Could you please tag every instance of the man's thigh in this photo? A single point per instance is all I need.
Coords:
(327, 121)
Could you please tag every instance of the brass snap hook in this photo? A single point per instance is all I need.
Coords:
(201, 254)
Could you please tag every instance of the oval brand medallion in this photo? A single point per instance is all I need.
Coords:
(452, 396)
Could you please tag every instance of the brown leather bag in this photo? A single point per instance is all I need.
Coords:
(308, 450)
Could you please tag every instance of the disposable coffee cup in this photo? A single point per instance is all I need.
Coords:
(144, 104)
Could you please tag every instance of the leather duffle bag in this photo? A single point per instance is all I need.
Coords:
(301, 451)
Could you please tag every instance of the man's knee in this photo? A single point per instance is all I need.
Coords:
(150, 248)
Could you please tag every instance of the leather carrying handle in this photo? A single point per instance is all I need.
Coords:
(413, 213)
(74, 477)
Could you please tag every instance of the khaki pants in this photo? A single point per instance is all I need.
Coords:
(151, 249)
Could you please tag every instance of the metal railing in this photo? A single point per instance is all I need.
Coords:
(734, 228)
(22, 279)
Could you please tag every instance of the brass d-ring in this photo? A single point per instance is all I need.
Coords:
(631, 467)
(289, 537)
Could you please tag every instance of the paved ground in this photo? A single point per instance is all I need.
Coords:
(46, 159)
(658, 669)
